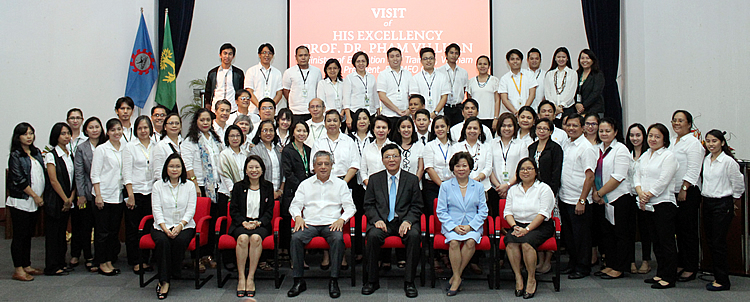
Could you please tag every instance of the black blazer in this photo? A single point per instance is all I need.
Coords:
(19, 172)
(550, 163)
(408, 198)
(53, 204)
(238, 206)
(591, 92)
(294, 172)
(238, 81)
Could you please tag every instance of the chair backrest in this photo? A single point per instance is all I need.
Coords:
(202, 208)
(500, 210)
(439, 225)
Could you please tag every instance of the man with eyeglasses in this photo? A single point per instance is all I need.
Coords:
(263, 80)
(393, 206)
(223, 80)
(243, 100)
(300, 83)
(317, 125)
(433, 86)
(158, 114)
(393, 87)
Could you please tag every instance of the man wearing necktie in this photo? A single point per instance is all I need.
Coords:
(393, 205)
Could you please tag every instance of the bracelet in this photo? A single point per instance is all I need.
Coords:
(527, 229)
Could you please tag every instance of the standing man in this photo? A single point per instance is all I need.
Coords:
(534, 60)
(517, 87)
(158, 114)
(393, 205)
(469, 109)
(222, 109)
(458, 78)
(433, 86)
(300, 83)
(422, 122)
(316, 123)
(317, 210)
(263, 80)
(124, 110)
(223, 80)
(393, 87)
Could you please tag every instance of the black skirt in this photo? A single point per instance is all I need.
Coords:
(261, 231)
(535, 237)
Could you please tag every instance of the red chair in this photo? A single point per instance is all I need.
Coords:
(549, 245)
(227, 242)
(438, 243)
(201, 218)
(321, 243)
(394, 242)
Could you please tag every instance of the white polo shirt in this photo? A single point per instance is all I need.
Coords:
(579, 156)
(331, 94)
(517, 87)
(302, 85)
(431, 87)
(265, 83)
(360, 92)
(458, 80)
(396, 85)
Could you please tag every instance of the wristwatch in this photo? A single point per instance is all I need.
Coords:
(684, 187)
(527, 229)
(582, 200)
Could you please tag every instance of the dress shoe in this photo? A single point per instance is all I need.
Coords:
(714, 287)
(567, 271)
(650, 281)
(608, 277)
(35, 271)
(410, 290)
(598, 274)
(528, 295)
(660, 286)
(325, 267)
(24, 277)
(111, 273)
(333, 289)
(298, 287)
(686, 279)
(577, 275)
(370, 288)
(519, 292)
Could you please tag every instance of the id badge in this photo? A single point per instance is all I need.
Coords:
(367, 101)
(506, 176)
(578, 98)
(267, 92)
(304, 93)
(429, 102)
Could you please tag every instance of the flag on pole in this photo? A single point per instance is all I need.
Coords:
(166, 87)
(142, 69)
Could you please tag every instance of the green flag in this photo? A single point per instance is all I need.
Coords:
(166, 89)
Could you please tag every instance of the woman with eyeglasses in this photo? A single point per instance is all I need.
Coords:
(169, 142)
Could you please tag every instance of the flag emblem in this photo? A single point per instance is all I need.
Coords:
(142, 61)
(166, 61)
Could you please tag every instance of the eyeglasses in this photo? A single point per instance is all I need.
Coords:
(542, 129)
(389, 157)
(173, 123)
(592, 124)
(75, 118)
(266, 53)
(159, 115)
(266, 108)
(527, 169)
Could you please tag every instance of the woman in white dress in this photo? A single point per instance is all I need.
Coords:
(483, 88)
(563, 78)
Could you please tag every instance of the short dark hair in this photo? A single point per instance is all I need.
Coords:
(392, 49)
(228, 46)
(355, 117)
(390, 146)
(264, 45)
(166, 119)
(520, 163)
(425, 50)
(266, 100)
(296, 50)
(239, 93)
(432, 128)
(470, 100)
(335, 62)
(284, 112)
(523, 109)
(141, 118)
(356, 55)
(382, 119)
(615, 126)
(688, 116)
(165, 173)
(333, 112)
(423, 111)
(513, 51)
(664, 132)
(534, 50)
(454, 46)
(549, 123)
(501, 119)
(294, 127)
(482, 138)
(256, 158)
(256, 139)
(545, 102)
(229, 129)
(461, 155)
(127, 100)
(89, 121)
(417, 96)
(159, 106)
(222, 102)
(576, 116)
(74, 110)
(489, 62)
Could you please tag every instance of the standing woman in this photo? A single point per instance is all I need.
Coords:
(59, 196)
(591, 132)
(200, 151)
(372, 161)
(613, 192)
(295, 165)
(331, 88)
(231, 161)
(462, 209)
(526, 120)
(360, 91)
(169, 143)
(74, 120)
(723, 186)
(106, 179)
(173, 204)
(251, 210)
(507, 151)
(635, 140)
(591, 128)
(689, 153)
(283, 122)
(411, 152)
(653, 182)
(246, 125)
(267, 147)
(483, 88)
(25, 188)
(138, 183)
(589, 96)
(563, 78)
(82, 217)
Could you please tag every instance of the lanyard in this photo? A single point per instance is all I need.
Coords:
(364, 82)
(505, 153)
(445, 154)
(475, 155)
(174, 196)
(429, 86)
(317, 136)
(518, 87)
(269, 74)
(398, 83)
(334, 146)
(335, 88)
(304, 157)
(304, 79)
(73, 148)
(144, 152)
(453, 80)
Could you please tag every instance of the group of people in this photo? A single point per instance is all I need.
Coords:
(371, 149)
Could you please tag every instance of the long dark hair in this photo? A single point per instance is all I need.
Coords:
(396, 135)
(194, 132)
(554, 62)
(355, 118)
(720, 136)
(482, 137)
(256, 139)
(629, 143)
(664, 132)
(15, 142)
(257, 158)
(447, 131)
(594, 62)
(54, 135)
(111, 123)
(165, 174)
(328, 63)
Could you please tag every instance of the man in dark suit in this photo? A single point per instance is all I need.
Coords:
(224, 80)
(393, 205)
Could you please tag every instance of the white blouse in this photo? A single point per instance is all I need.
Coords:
(49, 158)
(721, 177)
(656, 174)
(253, 204)
(436, 156)
(484, 94)
(525, 206)
(360, 92)
(505, 158)
(135, 166)
(615, 166)
(331, 94)
(560, 87)
(160, 152)
(482, 154)
(191, 155)
(689, 154)
(372, 160)
(170, 205)
(106, 170)
(410, 158)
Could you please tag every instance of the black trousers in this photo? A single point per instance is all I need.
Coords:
(106, 241)
(576, 232)
(55, 245)
(24, 224)
(453, 113)
(169, 252)
(617, 239)
(82, 223)
(717, 218)
(215, 211)
(335, 240)
(300, 117)
(645, 229)
(665, 248)
(686, 223)
(429, 192)
(132, 220)
(358, 195)
(376, 238)
(598, 223)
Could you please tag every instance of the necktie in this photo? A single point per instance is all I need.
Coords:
(392, 199)
(423, 142)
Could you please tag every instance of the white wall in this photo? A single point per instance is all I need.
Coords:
(689, 55)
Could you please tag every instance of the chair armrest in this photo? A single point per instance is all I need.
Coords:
(202, 225)
(557, 227)
(491, 225)
(423, 224)
(144, 221)
(432, 226)
(276, 222)
(218, 224)
(364, 226)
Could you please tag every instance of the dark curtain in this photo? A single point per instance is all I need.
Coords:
(180, 20)
(602, 21)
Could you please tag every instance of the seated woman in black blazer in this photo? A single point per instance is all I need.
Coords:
(251, 210)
